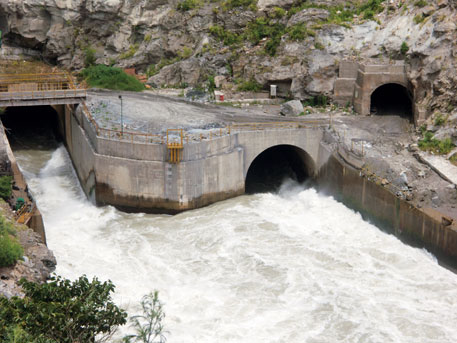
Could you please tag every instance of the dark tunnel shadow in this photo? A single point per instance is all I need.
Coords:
(391, 99)
(275, 165)
(29, 126)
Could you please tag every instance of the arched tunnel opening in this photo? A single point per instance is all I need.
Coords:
(30, 127)
(391, 99)
(275, 165)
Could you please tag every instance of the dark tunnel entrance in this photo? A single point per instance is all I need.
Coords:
(391, 99)
(275, 165)
(30, 127)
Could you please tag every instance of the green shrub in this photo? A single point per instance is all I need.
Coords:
(101, 76)
(89, 56)
(130, 52)
(420, 3)
(278, 12)
(230, 4)
(404, 48)
(5, 187)
(317, 101)
(6, 227)
(60, 311)
(187, 5)
(440, 119)
(249, 86)
(418, 19)
(225, 36)
(185, 53)
(442, 147)
(453, 159)
(374, 6)
(318, 45)
(261, 28)
(299, 32)
(10, 250)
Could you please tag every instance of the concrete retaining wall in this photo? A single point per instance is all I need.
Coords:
(420, 227)
(138, 177)
(215, 170)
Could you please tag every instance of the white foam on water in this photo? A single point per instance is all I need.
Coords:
(295, 266)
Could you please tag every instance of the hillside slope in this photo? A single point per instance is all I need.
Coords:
(188, 42)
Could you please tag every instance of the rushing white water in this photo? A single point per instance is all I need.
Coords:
(290, 267)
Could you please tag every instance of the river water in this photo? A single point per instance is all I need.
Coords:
(295, 266)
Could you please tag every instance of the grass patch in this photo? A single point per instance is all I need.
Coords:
(440, 119)
(317, 101)
(453, 159)
(228, 37)
(246, 4)
(188, 5)
(440, 147)
(101, 76)
(299, 32)
(5, 187)
(130, 52)
(10, 249)
(89, 56)
(418, 19)
(249, 86)
(420, 3)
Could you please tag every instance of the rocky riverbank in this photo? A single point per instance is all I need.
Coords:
(37, 264)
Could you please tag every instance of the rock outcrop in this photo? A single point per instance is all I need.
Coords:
(292, 108)
(269, 41)
(37, 264)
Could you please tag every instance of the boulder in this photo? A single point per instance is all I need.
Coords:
(308, 15)
(292, 108)
(262, 5)
(446, 132)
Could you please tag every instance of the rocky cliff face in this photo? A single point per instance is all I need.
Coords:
(37, 265)
(297, 43)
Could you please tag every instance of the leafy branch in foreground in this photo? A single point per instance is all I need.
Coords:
(149, 325)
(61, 311)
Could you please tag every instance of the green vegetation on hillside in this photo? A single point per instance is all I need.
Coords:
(101, 76)
(268, 26)
(5, 187)
(246, 4)
(187, 5)
(10, 249)
(249, 86)
(442, 147)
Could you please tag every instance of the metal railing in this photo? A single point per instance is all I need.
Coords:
(39, 86)
(185, 137)
(24, 214)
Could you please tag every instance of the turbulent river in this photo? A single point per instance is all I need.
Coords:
(295, 266)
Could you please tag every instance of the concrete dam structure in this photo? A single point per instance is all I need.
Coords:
(172, 173)
(140, 177)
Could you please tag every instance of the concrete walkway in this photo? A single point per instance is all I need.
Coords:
(440, 165)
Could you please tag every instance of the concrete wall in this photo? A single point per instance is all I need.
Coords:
(343, 91)
(357, 82)
(138, 177)
(417, 226)
(255, 142)
(370, 77)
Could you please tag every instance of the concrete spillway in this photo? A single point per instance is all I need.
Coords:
(138, 176)
(294, 266)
